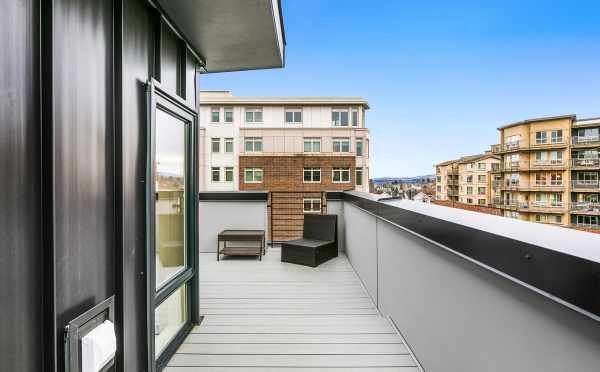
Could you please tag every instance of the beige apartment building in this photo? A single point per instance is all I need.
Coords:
(467, 180)
(535, 169)
(475, 179)
(446, 181)
(550, 171)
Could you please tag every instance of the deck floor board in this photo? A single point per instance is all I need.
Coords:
(273, 316)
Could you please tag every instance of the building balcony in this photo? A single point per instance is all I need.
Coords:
(452, 182)
(554, 164)
(557, 143)
(589, 163)
(452, 192)
(377, 305)
(585, 141)
(546, 186)
(546, 206)
(510, 147)
(585, 185)
(585, 208)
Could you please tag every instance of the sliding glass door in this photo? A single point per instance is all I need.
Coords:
(170, 223)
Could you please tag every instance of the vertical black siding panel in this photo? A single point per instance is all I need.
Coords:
(20, 245)
(138, 42)
(83, 155)
(169, 60)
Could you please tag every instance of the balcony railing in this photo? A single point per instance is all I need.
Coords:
(590, 226)
(548, 185)
(548, 163)
(588, 163)
(546, 204)
(585, 140)
(585, 184)
(585, 207)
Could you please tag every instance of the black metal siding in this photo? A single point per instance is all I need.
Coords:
(20, 202)
(83, 178)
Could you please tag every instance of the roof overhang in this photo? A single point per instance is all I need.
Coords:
(231, 35)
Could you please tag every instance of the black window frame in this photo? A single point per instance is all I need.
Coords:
(173, 105)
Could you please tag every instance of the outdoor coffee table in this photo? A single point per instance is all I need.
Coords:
(254, 238)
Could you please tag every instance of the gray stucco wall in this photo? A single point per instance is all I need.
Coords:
(458, 316)
(215, 216)
(337, 207)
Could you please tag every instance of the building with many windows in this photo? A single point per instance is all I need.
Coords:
(550, 171)
(295, 147)
(475, 179)
(467, 180)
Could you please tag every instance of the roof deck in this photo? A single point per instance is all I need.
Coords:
(267, 315)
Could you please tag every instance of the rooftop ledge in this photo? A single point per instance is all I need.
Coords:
(559, 263)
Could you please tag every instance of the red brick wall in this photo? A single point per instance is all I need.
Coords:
(285, 173)
(469, 207)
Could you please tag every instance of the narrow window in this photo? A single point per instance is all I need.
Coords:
(215, 174)
(354, 117)
(229, 114)
(216, 144)
(229, 145)
(215, 115)
(228, 174)
(359, 147)
(359, 176)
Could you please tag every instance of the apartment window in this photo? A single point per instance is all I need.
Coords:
(215, 144)
(481, 190)
(469, 190)
(229, 114)
(254, 115)
(557, 219)
(253, 144)
(556, 179)
(341, 175)
(556, 157)
(312, 144)
(229, 145)
(228, 174)
(339, 118)
(469, 166)
(481, 201)
(540, 179)
(439, 189)
(481, 166)
(469, 179)
(312, 175)
(293, 115)
(354, 117)
(215, 174)
(557, 136)
(359, 176)
(512, 141)
(481, 178)
(540, 137)
(359, 147)
(253, 175)
(312, 205)
(439, 179)
(540, 218)
(215, 113)
(341, 145)
(469, 201)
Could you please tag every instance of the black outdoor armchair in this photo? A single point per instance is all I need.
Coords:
(318, 243)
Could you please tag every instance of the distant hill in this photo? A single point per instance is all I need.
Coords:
(411, 180)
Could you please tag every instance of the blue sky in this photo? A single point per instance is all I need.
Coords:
(440, 76)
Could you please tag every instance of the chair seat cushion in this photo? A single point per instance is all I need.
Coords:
(311, 243)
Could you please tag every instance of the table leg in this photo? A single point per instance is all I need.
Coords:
(218, 245)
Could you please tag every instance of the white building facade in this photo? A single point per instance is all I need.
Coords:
(278, 126)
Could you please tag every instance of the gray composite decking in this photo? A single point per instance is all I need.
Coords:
(272, 316)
